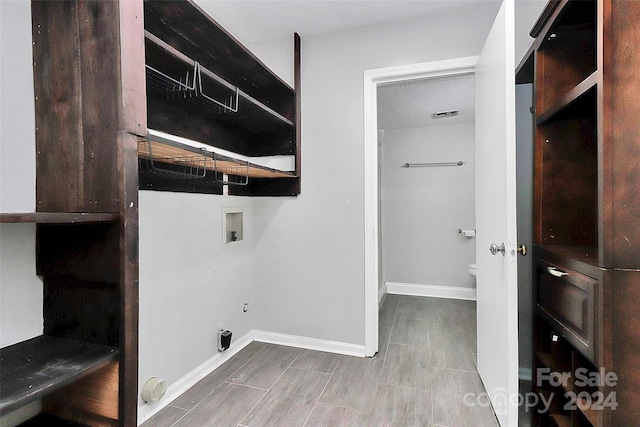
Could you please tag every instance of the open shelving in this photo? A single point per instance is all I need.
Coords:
(41, 365)
(566, 57)
(171, 158)
(58, 217)
(204, 86)
(586, 204)
(120, 69)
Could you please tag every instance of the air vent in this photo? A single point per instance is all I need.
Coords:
(442, 114)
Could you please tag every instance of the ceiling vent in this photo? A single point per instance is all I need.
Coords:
(442, 114)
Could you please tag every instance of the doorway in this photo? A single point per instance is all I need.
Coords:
(427, 190)
(372, 80)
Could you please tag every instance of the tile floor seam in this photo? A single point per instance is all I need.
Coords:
(272, 385)
(214, 388)
(384, 359)
(178, 420)
(335, 368)
(320, 395)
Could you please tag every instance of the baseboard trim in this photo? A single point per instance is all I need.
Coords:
(177, 388)
(309, 343)
(436, 291)
(382, 295)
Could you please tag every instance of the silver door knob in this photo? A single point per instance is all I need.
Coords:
(494, 249)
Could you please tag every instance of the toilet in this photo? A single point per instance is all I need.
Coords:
(472, 270)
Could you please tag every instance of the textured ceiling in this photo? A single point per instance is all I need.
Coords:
(270, 20)
(409, 104)
(413, 103)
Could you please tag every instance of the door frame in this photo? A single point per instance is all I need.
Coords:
(373, 78)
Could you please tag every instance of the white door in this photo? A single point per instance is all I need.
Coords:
(496, 217)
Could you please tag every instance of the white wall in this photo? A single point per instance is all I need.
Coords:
(190, 286)
(21, 315)
(527, 13)
(424, 207)
(21, 291)
(309, 251)
(17, 110)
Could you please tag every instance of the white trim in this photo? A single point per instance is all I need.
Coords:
(372, 78)
(435, 291)
(309, 343)
(177, 388)
(382, 292)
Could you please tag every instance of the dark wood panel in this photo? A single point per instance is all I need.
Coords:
(128, 277)
(223, 130)
(569, 183)
(93, 397)
(625, 345)
(133, 106)
(81, 310)
(40, 365)
(85, 251)
(297, 75)
(58, 107)
(100, 84)
(622, 172)
(58, 217)
(265, 187)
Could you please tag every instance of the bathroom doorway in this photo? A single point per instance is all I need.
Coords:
(374, 276)
(426, 169)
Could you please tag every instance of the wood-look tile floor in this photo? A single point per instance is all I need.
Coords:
(419, 377)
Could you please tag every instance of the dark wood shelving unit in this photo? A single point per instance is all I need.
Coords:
(587, 205)
(58, 217)
(204, 86)
(89, 86)
(97, 94)
(36, 367)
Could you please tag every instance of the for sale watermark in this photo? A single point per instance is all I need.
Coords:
(570, 390)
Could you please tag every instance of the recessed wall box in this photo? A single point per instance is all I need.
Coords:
(232, 227)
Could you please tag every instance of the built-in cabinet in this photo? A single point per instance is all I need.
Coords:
(587, 213)
(122, 91)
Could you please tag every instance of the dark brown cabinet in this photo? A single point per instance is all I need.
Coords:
(587, 212)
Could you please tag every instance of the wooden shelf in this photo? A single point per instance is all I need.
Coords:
(168, 152)
(569, 100)
(58, 217)
(36, 367)
(188, 99)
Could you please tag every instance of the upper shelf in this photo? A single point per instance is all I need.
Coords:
(578, 103)
(38, 366)
(566, 56)
(192, 31)
(58, 217)
(187, 99)
(166, 157)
